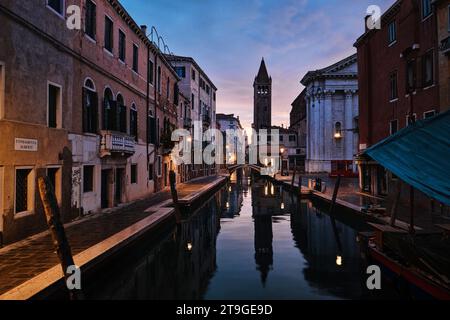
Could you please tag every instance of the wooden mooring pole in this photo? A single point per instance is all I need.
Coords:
(174, 192)
(335, 193)
(394, 208)
(57, 231)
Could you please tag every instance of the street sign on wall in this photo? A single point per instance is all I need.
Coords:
(30, 145)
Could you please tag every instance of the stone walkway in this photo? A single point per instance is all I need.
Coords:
(24, 260)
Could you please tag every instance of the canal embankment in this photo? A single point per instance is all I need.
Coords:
(30, 269)
(348, 198)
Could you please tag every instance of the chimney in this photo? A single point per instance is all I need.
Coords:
(144, 29)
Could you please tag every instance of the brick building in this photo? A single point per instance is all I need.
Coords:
(196, 85)
(443, 37)
(398, 81)
(298, 124)
(87, 107)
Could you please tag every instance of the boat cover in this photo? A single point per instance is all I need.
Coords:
(419, 155)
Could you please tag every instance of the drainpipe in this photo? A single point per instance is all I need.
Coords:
(156, 145)
(144, 29)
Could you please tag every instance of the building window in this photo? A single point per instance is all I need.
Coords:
(54, 106)
(91, 19)
(411, 76)
(150, 172)
(411, 119)
(393, 126)
(428, 72)
(2, 90)
(393, 85)
(168, 88)
(281, 138)
(429, 114)
(193, 101)
(134, 174)
(193, 75)
(24, 191)
(122, 114)
(181, 71)
(150, 71)
(90, 107)
(122, 46)
(207, 90)
(109, 37)
(159, 166)
(54, 175)
(392, 32)
(109, 111)
(158, 79)
(88, 179)
(133, 122)
(57, 6)
(338, 130)
(291, 138)
(151, 129)
(135, 58)
(426, 8)
(448, 18)
(214, 96)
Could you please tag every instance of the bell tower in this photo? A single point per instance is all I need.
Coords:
(262, 105)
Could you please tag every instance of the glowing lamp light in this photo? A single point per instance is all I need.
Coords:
(338, 135)
(229, 189)
(282, 206)
(339, 261)
(266, 190)
(189, 246)
(228, 205)
(282, 150)
(272, 190)
(189, 139)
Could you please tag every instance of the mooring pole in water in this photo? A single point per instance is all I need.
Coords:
(335, 193)
(394, 208)
(57, 231)
(174, 192)
(293, 176)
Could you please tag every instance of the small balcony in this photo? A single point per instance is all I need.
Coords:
(187, 123)
(445, 46)
(116, 143)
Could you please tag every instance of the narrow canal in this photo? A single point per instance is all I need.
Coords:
(252, 240)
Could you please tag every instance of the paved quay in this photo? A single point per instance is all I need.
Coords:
(35, 258)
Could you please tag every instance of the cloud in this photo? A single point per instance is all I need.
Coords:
(228, 39)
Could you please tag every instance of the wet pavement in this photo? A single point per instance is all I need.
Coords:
(24, 260)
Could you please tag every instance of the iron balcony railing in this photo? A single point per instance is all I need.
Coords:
(116, 142)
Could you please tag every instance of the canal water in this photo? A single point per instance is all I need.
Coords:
(251, 240)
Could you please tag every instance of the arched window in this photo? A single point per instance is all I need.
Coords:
(338, 130)
(90, 107)
(133, 122)
(109, 111)
(122, 114)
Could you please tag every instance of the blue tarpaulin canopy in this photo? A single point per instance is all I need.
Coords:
(419, 155)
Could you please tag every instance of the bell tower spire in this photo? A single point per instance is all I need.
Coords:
(262, 101)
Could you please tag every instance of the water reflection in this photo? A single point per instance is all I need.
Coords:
(252, 240)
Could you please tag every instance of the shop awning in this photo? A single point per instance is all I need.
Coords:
(419, 155)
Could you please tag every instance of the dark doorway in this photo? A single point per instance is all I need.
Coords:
(165, 175)
(105, 188)
(118, 186)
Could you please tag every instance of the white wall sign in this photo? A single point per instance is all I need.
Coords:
(22, 144)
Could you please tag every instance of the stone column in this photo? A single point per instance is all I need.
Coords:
(348, 124)
(329, 127)
(307, 132)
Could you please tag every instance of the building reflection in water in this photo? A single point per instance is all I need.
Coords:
(177, 265)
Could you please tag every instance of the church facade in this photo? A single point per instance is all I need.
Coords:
(332, 118)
